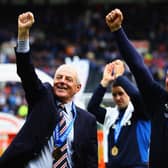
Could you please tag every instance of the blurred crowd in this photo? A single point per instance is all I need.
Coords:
(63, 33)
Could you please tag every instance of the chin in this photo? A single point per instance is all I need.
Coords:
(122, 106)
(61, 94)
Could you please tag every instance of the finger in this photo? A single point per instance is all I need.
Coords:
(30, 16)
(110, 17)
(119, 13)
(116, 23)
(25, 17)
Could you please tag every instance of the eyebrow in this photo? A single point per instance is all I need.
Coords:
(117, 93)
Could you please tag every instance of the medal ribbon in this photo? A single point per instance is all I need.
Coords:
(60, 139)
(117, 130)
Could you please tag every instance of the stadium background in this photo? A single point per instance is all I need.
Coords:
(68, 28)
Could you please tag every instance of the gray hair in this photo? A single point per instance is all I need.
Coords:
(72, 68)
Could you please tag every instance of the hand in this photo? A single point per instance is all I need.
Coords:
(119, 68)
(25, 21)
(108, 75)
(114, 19)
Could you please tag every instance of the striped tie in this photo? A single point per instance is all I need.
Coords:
(60, 153)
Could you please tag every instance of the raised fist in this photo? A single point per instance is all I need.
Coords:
(114, 19)
(25, 20)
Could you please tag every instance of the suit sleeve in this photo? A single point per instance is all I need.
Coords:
(135, 96)
(94, 105)
(30, 81)
(144, 78)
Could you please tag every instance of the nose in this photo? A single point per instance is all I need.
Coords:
(59, 80)
(117, 97)
(62, 79)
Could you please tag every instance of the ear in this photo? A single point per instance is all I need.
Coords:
(79, 87)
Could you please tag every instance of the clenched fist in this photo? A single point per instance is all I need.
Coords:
(114, 19)
(25, 21)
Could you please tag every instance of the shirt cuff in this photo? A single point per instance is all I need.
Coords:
(23, 46)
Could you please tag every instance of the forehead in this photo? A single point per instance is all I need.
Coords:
(117, 89)
(66, 70)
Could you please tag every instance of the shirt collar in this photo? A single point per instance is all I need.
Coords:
(68, 107)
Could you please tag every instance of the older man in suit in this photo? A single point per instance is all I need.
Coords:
(41, 142)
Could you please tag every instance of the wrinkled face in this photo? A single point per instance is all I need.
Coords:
(121, 99)
(66, 83)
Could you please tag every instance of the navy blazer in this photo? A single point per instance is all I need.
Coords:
(155, 97)
(41, 122)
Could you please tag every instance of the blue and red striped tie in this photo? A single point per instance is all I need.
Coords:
(61, 160)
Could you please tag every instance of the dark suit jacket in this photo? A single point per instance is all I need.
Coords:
(41, 121)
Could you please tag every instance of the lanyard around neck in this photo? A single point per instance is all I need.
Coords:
(118, 126)
(60, 139)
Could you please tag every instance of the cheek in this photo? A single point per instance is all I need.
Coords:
(74, 91)
(123, 100)
(127, 101)
(115, 101)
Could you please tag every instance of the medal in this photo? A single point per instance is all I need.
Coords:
(56, 154)
(114, 150)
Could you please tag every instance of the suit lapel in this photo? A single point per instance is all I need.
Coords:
(76, 125)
